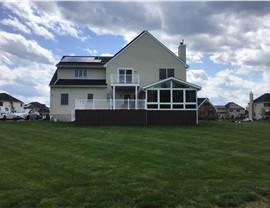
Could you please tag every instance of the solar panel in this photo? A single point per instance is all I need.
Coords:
(81, 59)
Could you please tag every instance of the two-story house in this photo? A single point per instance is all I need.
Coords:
(230, 110)
(144, 75)
(235, 110)
(7, 100)
(261, 107)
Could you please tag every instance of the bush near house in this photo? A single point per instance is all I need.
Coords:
(216, 164)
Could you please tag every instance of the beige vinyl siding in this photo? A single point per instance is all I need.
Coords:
(67, 73)
(63, 112)
(258, 109)
(146, 56)
(17, 105)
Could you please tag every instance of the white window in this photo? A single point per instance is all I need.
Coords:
(171, 95)
(125, 75)
(80, 72)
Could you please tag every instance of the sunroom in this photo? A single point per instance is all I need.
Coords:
(171, 94)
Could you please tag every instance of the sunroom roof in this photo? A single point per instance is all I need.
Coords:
(182, 83)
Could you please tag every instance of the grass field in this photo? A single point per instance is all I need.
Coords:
(216, 164)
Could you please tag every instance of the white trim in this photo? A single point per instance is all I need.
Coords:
(208, 101)
(123, 68)
(171, 103)
(202, 101)
(136, 98)
(113, 97)
(197, 87)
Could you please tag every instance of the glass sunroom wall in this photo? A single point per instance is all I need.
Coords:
(171, 95)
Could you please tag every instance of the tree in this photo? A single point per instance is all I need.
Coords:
(262, 113)
(12, 106)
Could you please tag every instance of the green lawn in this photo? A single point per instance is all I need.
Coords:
(215, 164)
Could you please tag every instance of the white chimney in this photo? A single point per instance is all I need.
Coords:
(251, 107)
(182, 51)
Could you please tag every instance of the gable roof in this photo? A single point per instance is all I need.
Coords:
(201, 101)
(42, 108)
(263, 98)
(145, 32)
(175, 79)
(7, 97)
(218, 107)
(232, 105)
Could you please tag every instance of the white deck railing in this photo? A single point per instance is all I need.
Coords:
(127, 104)
(125, 79)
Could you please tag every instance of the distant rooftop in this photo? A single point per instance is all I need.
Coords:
(232, 105)
(264, 98)
(7, 97)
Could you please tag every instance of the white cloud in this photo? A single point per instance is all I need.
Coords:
(17, 50)
(16, 24)
(106, 54)
(91, 52)
(27, 85)
(43, 23)
(228, 86)
(26, 68)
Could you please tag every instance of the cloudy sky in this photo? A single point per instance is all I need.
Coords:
(228, 43)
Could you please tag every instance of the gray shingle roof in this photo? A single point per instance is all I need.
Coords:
(232, 105)
(263, 98)
(7, 97)
(74, 82)
(200, 100)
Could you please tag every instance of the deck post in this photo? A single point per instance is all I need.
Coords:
(113, 97)
(136, 98)
(128, 103)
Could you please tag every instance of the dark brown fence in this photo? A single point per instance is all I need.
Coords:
(171, 117)
(134, 117)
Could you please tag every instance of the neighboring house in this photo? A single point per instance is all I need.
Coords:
(41, 108)
(230, 110)
(261, 107)
(235, 111)
(13, 103)
(206, 109)
(221, 111)
(144, 75)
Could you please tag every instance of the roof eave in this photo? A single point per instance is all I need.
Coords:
(197, 87)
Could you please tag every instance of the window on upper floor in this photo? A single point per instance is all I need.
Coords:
(166, 73)
(80, 72)
(266, 104)
(1, 103)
